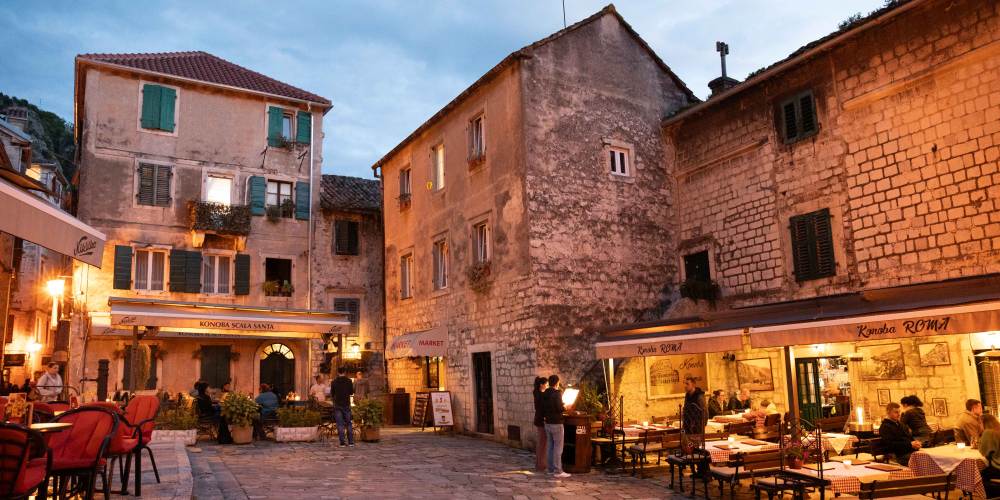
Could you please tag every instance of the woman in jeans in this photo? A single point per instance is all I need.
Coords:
(540, 384)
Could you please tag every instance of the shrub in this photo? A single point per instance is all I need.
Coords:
(298, 417)
(239, 409)
(177, 419)
(368, 413)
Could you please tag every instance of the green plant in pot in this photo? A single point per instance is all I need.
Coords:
(177, 419)
(298, 417)
(368, 414)
(240, 411)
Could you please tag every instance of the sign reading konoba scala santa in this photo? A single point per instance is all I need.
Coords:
(289, 324)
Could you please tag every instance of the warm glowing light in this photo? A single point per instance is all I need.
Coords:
(355, 348)
(56, 287)
(33, 347)
(861, 415)
(847, 463)
(960, 445)
(645, 423)
(353, 351)
(569, 396)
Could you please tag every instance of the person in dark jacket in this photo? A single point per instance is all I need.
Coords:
(914, 418)
(342, 389)
(541, 383)
(896, 437)
(717, 404)
(694, 415)
(552, 415)
(741, 402)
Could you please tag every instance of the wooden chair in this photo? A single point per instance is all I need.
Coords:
(650, 442)
(691, 454)
(939, 486)
(742, 428)
(770, 433)
(743, 466)
(772, 419)
(832, 424)
(942, 436)
(873, 447)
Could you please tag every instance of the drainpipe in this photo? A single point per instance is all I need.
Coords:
(312, 201)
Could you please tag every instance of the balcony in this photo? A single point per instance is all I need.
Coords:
(216, 218)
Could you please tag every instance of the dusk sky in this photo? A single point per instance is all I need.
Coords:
(386, 65)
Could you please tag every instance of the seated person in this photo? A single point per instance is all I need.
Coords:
(203, 402)
(740, 402)
(914, 418)
(759, 415)
(319, 390)
(268, 401)
(989, 443)
(717, 404)
(969, 426)
(896, 437)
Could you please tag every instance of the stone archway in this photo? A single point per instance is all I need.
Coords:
(276, 365)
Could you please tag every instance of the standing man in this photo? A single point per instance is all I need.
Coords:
(694, 415)
(50, 384)
(342, 389)
(360, 385)
(553, 409)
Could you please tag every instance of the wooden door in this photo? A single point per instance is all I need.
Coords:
(278, 371)
(215, 364)
(482, 368)
(810, 399)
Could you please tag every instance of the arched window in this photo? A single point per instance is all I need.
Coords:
(281, 349)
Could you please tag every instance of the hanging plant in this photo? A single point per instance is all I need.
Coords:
(478, 275)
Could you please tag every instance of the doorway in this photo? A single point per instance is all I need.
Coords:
(277, 369)
(482, 368)
(823, 386)
(215, 365)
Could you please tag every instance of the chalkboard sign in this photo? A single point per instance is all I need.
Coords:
(420, 407)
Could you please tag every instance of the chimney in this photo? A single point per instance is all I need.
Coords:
(18, 117)
(722, 83)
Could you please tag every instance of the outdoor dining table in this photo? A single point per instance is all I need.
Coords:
(721, 450)
(50, 427)
(846, 478)
(965, 462)
(831, 441)
(640, 431)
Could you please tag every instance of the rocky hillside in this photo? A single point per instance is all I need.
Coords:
(52, 136)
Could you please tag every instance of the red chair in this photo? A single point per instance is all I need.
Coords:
(141, 418)
(80, 451)
(24, 461)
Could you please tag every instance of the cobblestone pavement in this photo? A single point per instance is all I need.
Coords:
(405, 464)
(175, 473)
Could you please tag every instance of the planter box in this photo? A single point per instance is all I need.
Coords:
(370, 434)
(290, 434)
(189, 437)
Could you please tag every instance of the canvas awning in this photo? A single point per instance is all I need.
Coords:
(31, 218)
(670, 343)
(433, 342)
(193, 319)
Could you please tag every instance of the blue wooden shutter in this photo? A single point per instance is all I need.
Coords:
(123, 267)
(192, 273)
(151, 106)
(274, 115)
(167, 98)
(303, 129)
(258, 192)
(241, 283)
(178, 271)
(302, 200)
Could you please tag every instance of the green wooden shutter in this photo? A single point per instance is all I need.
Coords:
(303, 129)
(826, 264)
(812, 245)
(167, 98)
(241, 284)
(192, 273)
(147, 187)
(807, 113)
(178, 271)
(151, 106)
(274, 137)
(123, 267)
(302, 200)
(161, 186)
(791, 124)
(258, 192)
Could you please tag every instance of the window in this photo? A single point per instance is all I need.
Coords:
(345, 237)
(440, 264)
(432, 372)
(481, 242)
(405, 188)
(286, 125)
(158, 107)
(437, 157)
(278, 277)
(218, 190)
(618, 161)
(798, 117)
(279, 198)
(696, 267)
(477, 142)
(353, 309)
(216, 274)
(154, 185)
(150, 268)
(812, 245)
(405, 265)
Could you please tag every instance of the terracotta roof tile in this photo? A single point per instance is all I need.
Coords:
(205, 67)
(350, 194)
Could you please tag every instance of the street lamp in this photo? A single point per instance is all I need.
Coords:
(56, 289)
(353, 352)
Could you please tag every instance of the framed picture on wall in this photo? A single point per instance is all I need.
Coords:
(882, 362)
(934, 354)
(939, 407)
(884, 397)
(665, 374)
(755, 374)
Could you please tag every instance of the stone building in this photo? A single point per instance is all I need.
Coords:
(205, 176)
(855, 183)
(532, 207)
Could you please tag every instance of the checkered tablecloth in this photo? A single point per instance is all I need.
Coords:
(848, 479)
(834, 442)
(639, 431)
(967, 476)
(720, 455)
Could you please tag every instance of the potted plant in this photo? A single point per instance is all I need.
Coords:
(288, 208)
(177, 424)
(297, 424)
(367, 414)
(240, 411)
(287, 289)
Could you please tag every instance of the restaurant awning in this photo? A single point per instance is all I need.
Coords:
(673, 343)
(192, 319)
(433, 342)
(31, 218)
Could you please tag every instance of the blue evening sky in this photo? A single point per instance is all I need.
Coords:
(387, 65)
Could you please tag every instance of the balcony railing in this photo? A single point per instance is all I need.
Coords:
(218, 218)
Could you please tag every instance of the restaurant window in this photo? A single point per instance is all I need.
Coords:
(150, 269)
(279, 199)
(477, 140)
(437, 158)
(812, 245)
(798, 117)
(432, 372)
(353, 309)
(153, 185)
(440, 254)
(481, 242)
(618, 161)
(218, 189)
(405, 268)
(216, 274)
(278, 277)
(345, 237)
(696, 267)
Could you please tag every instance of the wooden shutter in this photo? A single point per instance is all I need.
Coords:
(241, 282)
(302, 200)
(192, 273)
(791, 126)
(258, 195)
(352, 307)
(178, 271)
(123, 267)
(826, 264)
(274, 126)
(303, 129)
(812, 245)
(807, 114)
(161, 184)
(167, 98)
(147, 189)
(346, 237)
(150, 106)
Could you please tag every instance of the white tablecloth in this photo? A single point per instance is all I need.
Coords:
(950, 456)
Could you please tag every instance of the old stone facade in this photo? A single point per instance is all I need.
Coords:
(569, 244)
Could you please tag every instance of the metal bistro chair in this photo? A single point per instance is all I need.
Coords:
(78, 453)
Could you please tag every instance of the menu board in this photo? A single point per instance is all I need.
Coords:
(420, 405)
(441, 405)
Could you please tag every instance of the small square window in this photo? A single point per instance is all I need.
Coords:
(346, 234)
(405, 188)
(696, 267)
(481, 242)
(216, 273)
(405, 268)
(278, 277)
(437, 157)
(618, 160)
(279, 198)
(150, 270)
(812, 245)
(440, 254)
(798, 117)
(218, 190)
(287, 124)
(477, 141)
